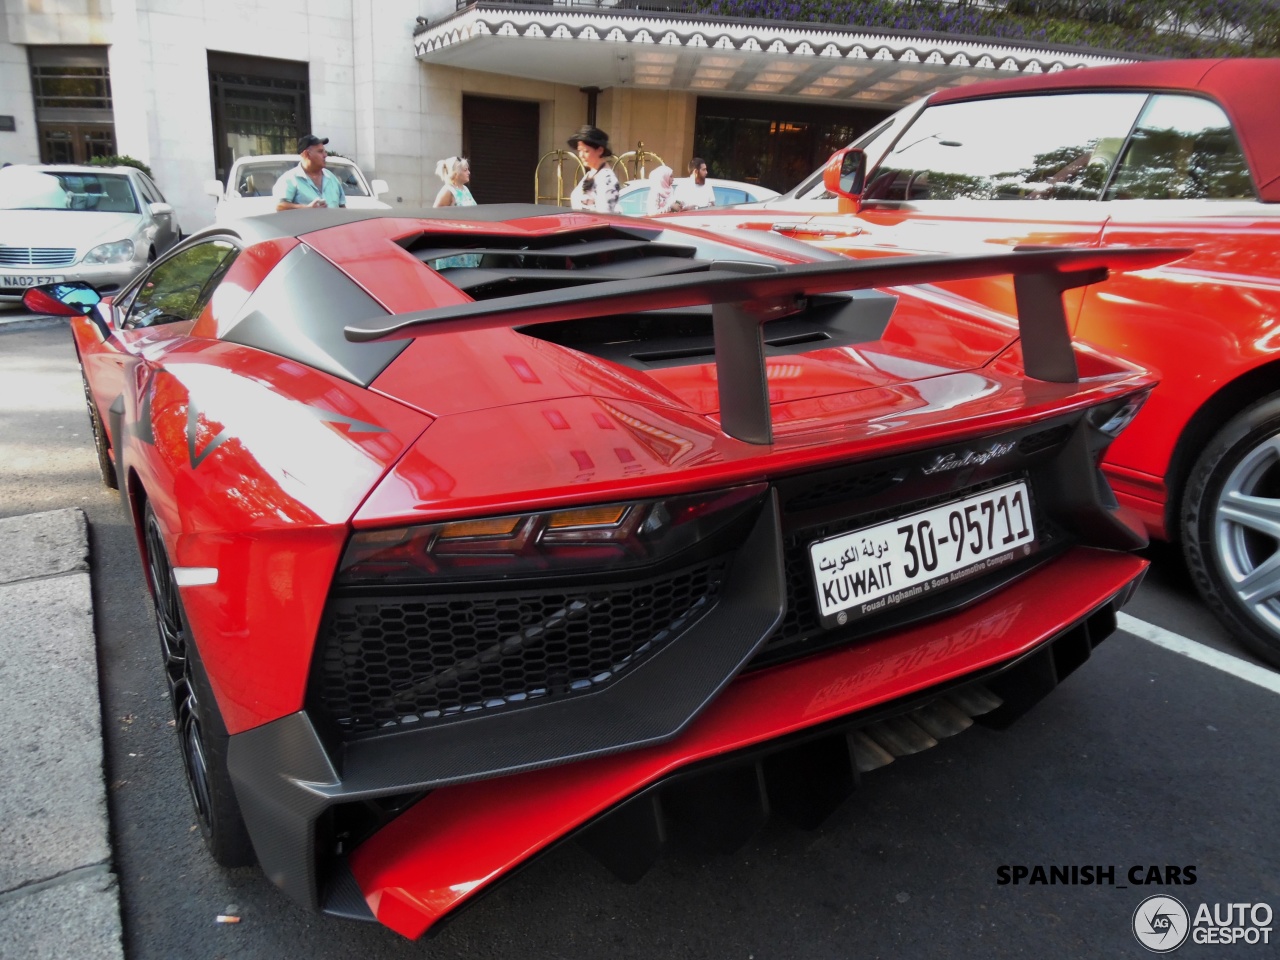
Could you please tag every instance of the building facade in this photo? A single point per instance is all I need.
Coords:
(399, 84)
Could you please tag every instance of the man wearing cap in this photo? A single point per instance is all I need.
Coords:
(309, 184)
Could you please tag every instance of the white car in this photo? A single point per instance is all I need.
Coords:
(632, 197)
(248, 189)
(61, 222)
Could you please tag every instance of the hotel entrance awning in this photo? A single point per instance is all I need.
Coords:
(611, 46)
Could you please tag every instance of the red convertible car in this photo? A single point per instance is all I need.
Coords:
(471, 533)
(1180, 153)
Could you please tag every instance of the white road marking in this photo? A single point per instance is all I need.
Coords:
(1267, 679)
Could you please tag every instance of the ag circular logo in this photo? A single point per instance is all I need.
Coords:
(1161, 923)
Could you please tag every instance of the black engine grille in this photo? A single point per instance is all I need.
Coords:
(392, 661)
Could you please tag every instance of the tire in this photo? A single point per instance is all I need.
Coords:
(1231, 527)
(202, 736)
(101, 446)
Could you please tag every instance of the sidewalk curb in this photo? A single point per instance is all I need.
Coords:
(59, 895)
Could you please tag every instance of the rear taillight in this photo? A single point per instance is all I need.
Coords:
(595, 539)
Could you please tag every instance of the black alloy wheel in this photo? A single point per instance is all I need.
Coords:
(202, 737)
(106, 468)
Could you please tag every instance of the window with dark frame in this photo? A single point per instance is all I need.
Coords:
(71, 90)
(260, 106)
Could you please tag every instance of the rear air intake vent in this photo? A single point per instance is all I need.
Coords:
(487, 266)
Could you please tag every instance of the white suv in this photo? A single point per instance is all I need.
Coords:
(248, 189)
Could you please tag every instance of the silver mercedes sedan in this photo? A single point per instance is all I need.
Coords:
(97, 224)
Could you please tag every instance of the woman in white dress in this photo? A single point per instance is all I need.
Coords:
(598, 189)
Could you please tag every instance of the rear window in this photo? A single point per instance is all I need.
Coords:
(1182, 148)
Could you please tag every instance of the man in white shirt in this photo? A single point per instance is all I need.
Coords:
(695, 193)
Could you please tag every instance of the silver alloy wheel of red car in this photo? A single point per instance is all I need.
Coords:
(1232, 527)
(1245, 516)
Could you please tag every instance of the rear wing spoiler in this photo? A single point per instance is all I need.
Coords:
(745, 295)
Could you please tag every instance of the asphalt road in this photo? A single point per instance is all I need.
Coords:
(1142, 758)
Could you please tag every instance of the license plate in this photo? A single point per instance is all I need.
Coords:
(26, 280)
(899, 561)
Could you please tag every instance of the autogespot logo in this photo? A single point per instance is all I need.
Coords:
(1161, 923)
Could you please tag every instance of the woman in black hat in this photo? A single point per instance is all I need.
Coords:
(598, 189)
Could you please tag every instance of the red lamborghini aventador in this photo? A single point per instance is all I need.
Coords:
(472, 532)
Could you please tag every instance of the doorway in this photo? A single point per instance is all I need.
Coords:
(260, 106)
(500, 139)
(775, 144)
(75, 142)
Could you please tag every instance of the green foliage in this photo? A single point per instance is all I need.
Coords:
(121, 161)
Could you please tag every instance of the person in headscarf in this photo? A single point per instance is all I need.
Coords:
(661, 197)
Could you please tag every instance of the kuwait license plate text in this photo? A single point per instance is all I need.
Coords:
(881, 566)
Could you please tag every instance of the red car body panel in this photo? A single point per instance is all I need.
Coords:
(629, 448)
(265, 517)
(441, 852)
